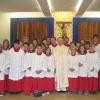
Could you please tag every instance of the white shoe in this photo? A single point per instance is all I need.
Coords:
(1, 95)
(46, 93)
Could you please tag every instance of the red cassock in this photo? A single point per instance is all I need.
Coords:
(50, 84)
(15, 86)
(39, 84)
(93, 84)
(6, 82)
(27, 85)
(31, 84)
(73, 84)
(83, 84)
(2, 87)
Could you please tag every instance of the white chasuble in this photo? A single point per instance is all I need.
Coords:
(60, 55)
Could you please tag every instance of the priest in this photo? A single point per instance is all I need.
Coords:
(60, 56)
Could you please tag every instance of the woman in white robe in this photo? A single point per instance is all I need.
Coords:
(83, 70)
(6, 48)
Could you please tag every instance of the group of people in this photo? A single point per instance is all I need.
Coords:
(50, 65)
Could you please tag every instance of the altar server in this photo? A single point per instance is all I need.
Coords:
(72, 67)
(16, 68)
(28, 80)
(50, 64)
(3, 65)
(6, 47)
(94, 66)
(39, 70)
(83, 71)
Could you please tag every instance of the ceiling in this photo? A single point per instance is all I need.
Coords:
(64, 5)
(44, 6)
(95, 6)
(19, 6)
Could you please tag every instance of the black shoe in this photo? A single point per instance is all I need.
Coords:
(61, 91)
(13, 93)
(37, 93)
(17, 92)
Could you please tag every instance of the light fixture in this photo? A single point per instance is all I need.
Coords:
(49, 4)
(38, 4)
(78, 5)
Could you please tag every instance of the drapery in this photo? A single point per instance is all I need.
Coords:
(86, 30)
(32, 30)
(41, 21)
(76, 23)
